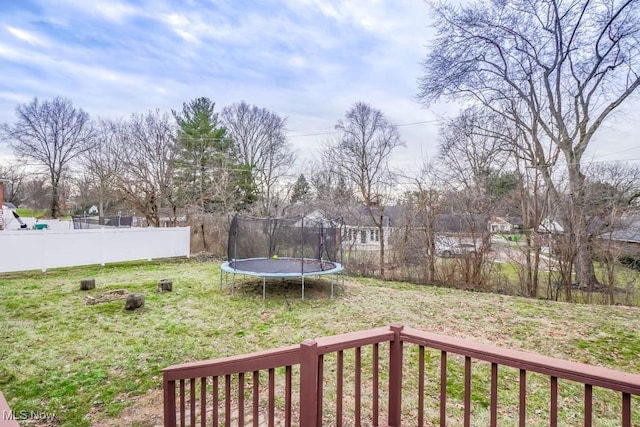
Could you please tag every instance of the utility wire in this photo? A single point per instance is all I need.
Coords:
(294, 135)
(334, 133)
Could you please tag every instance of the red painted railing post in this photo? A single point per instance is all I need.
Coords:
(169, 402)
(308, 383)
(395, 376)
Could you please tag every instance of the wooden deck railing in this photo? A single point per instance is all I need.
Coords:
(318, 382)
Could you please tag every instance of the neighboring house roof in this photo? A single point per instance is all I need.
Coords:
(500, 221)
(393, 216)
(364, 216)
(626, 230)
(504, 223)
(550, 225)
(8, 205)
(460, 223)
(513, 220)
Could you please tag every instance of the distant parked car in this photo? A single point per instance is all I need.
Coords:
(457, 250)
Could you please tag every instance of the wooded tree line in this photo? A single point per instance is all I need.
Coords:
(192, 158)
(538, 79)
(195, 158)
(542, 76)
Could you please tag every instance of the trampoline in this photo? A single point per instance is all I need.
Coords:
(280, 248)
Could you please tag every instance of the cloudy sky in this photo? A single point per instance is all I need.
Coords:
(307, 60)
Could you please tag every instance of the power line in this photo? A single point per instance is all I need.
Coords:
(334, 133)
(226, 138)
(313, 134)
(419, 123)
(619, 152)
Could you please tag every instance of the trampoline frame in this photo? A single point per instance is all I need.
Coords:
(226, 268)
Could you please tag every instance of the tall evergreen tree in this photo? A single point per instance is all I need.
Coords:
(300, 190)
(203, 152)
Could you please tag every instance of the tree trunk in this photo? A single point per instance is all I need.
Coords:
(381, 232)
(101, 201)
(55, 199)
(535, 285)
(431, 251)
(580, 238)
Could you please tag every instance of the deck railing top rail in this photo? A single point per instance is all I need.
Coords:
(274, 358)
(260, 360)
(586, 374)
(290, 355)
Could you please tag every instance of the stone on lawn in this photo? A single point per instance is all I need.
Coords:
(134, 301)
(87, 284)
(165, 285)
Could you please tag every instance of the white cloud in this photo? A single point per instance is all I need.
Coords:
(8, 51)
(308, 60)
(27, 36)
(114, 11)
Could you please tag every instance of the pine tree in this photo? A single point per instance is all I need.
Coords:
(209, 176)
(300, 191)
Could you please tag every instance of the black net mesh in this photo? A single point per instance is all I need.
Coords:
(102, 221)
(297, 237)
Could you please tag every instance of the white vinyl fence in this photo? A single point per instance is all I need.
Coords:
(43, 249)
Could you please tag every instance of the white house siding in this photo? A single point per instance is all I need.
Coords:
(364, 237)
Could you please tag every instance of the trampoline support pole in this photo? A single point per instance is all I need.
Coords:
(233, 284)
(264, 289)
(331, 288)
(303, 288)
(332, 282)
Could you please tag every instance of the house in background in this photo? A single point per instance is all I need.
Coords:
(361, 232)
(627, 231)
(507, 225)
(550, 226)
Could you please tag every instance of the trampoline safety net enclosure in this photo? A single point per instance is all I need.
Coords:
(283, 247)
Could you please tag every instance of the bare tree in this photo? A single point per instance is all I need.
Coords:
(147, 160)
(260, 143)
(614, 190)
(52, 133)
(36, 193)
(555, 69)
(334, 196)
(103, 164)
(474, 162)
(361, 158)
(421, 207)
(15, 177)
(471, 150)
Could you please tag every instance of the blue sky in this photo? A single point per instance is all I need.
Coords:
(307, 60)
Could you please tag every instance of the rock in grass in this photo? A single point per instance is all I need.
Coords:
(134, 301)
(165, 285)
(87, 284)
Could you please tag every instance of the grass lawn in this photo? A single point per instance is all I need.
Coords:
(31, 213)
(95, 364)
